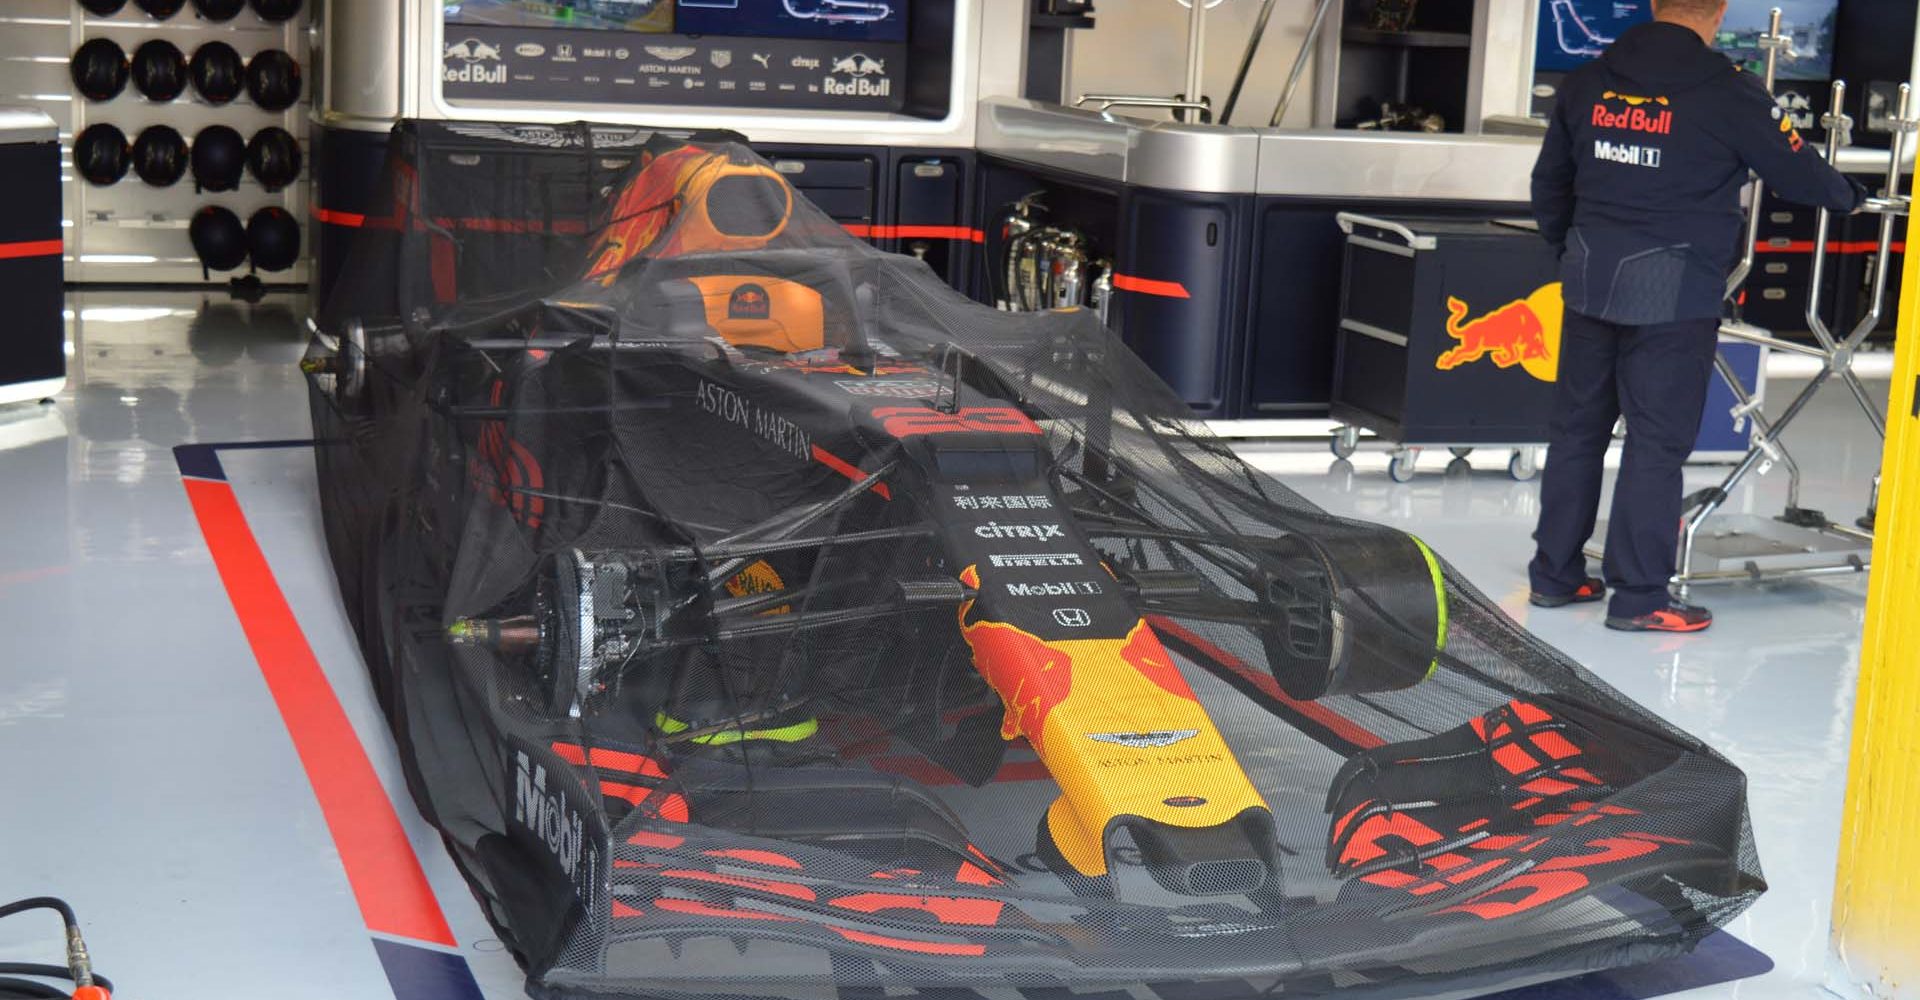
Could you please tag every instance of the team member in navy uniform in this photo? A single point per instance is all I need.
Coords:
(1638, 189)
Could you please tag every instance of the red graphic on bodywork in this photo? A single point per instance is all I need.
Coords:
(507, 473)
(911, 421)
(1144, 653)
(1030, 676)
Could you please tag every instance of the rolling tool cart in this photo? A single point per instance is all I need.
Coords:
(1449, 337)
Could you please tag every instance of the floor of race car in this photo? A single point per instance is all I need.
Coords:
(196, 762)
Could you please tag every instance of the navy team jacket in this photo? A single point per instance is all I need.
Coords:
(1638, 183)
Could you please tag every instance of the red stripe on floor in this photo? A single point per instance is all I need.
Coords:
(1339, 725)
(32, 248)
(381, 866)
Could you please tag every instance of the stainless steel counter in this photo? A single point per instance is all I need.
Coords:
(24, 124)
(1235, 160)
(1309, 163)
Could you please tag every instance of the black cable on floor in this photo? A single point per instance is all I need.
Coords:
(78, 970)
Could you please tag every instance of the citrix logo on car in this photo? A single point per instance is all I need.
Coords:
(994, 529)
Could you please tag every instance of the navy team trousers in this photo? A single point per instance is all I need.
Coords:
(1656, 376)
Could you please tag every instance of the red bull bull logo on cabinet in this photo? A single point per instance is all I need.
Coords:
(1524, 332)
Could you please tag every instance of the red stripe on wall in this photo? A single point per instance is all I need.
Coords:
(356, 220)
(1833, 246)
(1150, 286)
(32, 248)
(381, 866)
(965, 234)
(352, 220)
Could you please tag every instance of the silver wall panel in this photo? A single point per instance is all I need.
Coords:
(133, 232)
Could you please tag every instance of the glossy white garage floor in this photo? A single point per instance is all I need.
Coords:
(151, 782)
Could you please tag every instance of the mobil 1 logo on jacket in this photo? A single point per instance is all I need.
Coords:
(1625, 124)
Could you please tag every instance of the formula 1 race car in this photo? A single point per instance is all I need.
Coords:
(726, 579)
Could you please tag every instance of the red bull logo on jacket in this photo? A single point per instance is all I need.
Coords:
(1524, 332)
(1634, 119)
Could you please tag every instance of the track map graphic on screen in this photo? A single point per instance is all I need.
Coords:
(1574, 31)
(1571, 32)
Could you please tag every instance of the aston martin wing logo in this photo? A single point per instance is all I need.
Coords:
(1145, 741)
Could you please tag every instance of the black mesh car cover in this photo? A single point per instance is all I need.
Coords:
(759, 617)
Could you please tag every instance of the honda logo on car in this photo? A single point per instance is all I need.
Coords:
(1072, 617)
(545, 815)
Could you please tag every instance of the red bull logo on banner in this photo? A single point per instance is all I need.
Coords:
(1524, 332)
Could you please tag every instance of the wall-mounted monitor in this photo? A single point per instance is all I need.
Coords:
(854, 20)
(601, 15)
(831, 55)
(1571, 32)
(1808, 25)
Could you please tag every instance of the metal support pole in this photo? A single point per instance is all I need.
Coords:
(1772, 42)
(1300, 62)
(1246, 60)
(1196, 52)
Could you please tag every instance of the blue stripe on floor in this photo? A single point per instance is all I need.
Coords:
(418, 973)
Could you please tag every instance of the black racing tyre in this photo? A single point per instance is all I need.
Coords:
(102, 8)
(160, 10)
(219, 158)
(100, 154)
(219, 240)
(99, 69)
(159, 70)
(273, 157)
(273, 239)
(276, 10)
(273, 80)
(217, 72)
(160, 155)
(219, 10)
(1363, 612)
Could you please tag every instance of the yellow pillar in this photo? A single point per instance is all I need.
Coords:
(1876, 899)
